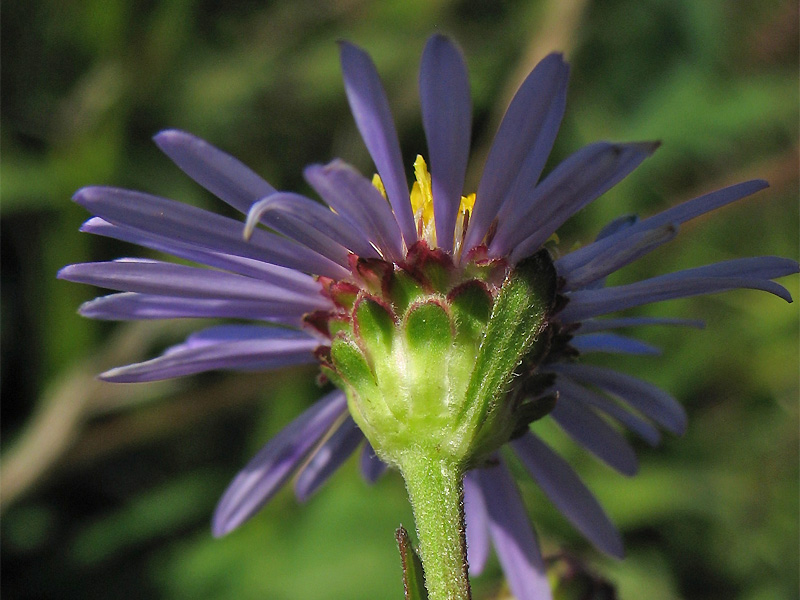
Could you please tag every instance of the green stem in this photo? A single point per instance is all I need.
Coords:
(436, 490)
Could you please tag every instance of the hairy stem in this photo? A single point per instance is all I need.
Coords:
(436, 490)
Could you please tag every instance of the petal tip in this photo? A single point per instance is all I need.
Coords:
(648, 147)
(222, 524)
(348, 52)
(64, 273)
(168, 137)
(85, 194)
(616, 548)
(111, 376)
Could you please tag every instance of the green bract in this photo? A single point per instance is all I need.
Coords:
(433, 357)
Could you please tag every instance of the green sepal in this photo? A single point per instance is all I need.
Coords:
(373, 324)
(519, 316)
(427, 328)
(471, 304)
(343, 294)
(336, 325)
(413, 574)
(329, 374)
(352, 365)
(404, 290)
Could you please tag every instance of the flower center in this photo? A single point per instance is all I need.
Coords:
(422, 205)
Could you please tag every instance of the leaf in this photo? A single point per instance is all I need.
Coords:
(413, 574)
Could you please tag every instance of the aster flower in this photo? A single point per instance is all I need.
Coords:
(430, 272)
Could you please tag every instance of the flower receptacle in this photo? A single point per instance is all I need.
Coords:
(429, 369)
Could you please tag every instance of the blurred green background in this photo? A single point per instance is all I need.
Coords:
(107, 491)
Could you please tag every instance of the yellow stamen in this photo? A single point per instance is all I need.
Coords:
(422, 205)
(378, 183)
(467, 203)
(422, 201)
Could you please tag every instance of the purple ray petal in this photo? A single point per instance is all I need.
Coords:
(678, 215)
(613, 343)
(522, 144)
(639, 426)
(527, 220)
(268, 470)
(651, 401)
(371, 466)
(593, 325)
(765, 267)
(703, 204)
(135, 306)
(196, 227)
(281, 276)
(631, 248)
(447, 119)
(374, 120)
(356, 199)
(218, 172)
(236, 333)
(274, 348)
(308, 223)
(584, 426)
(327, 458)
(565, 489)
(584, 304)
(477, 521)
(616, 225)
(167, 279)
(514, 540)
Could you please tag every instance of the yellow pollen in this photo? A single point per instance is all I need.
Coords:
(378, 183)
(422, 205)
(422, 198)
(467, 202)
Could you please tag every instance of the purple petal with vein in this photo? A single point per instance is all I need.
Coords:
(629, 249)
(374, 120)
(527, 220)
(678, 215)
(447, 119)
(193, 226)
(135, 306)
(522, 144)
(584, 304)
(350, 194)
(309, 223)
(613, 343)
(281, 276)
(766, 267)
(565, 489)
(593, 325)
(477, 521)
(651, 401)
(218, 172)
(327, 458)
(370, 465)
(638, 425)
(168, 279)
(592, 432)
(268, 470)
(252, 348)
(514, 540)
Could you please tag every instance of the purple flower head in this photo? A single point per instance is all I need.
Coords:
(384, 250)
